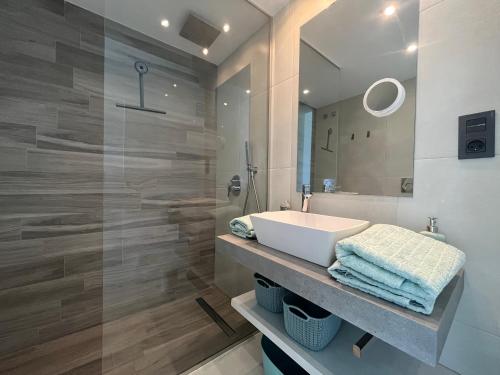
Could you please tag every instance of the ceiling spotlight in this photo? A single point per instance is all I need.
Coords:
(248, 91)
(166, 94)
(305, 92)
(390, 10)
(225, 104)
(412, 48)
(205, 51)
(175, 85)
(165, 23)
(226, 27)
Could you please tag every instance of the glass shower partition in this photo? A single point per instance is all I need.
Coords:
(161, 308)
(238, 158)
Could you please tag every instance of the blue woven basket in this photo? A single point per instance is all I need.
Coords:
(269, 294)
(308, 324)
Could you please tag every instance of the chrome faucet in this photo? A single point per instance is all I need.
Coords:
(306, 196)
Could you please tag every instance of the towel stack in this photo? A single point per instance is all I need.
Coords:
(242, 227)
(398, 265)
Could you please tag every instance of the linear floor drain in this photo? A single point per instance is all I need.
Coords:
(215, 317)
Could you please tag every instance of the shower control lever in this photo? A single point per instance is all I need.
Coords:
(234, 186)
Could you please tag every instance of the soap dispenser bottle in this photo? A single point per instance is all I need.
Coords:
(432, 230)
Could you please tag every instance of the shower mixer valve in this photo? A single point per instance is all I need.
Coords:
(234, 186)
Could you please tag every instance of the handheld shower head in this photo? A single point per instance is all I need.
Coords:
(252, 171)
(247, 152)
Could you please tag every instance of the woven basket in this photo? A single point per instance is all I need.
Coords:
(269, 294)
(308, 324)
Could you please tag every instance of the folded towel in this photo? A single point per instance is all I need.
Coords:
(398, 265)
(242, 227)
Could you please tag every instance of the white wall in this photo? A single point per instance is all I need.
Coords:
(458, 73)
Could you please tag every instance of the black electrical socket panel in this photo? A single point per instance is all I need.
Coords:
(476, 135)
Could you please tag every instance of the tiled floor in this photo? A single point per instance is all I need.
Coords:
(162, 340)
(243, 359)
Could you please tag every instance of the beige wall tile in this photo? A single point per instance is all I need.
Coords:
(280, 152)
(279, 187)
(448, 189)
(282, 47)
(471, 350)
(458, 71)
(259, 131)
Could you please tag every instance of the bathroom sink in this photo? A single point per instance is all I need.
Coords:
(308, 236)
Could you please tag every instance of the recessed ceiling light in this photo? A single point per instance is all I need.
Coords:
(165, 23)
(175, 85)
(390, 10)
(248, 91)
(166, 94)
(412, 48)
(205, 51)
(306, 91)
(226, 27)
(226, 104)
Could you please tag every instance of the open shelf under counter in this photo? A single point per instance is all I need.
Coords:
(420, 336)
(337, 358)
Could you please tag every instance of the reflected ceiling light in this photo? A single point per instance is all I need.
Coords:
(165, 23)
(205, 51)
(225, 104)
(390, 10)
(166, 94)
(411, 48)
(305, 92)
(248, 91)
(226, 27)
(175, 85)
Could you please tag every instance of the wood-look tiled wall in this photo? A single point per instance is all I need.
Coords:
(103, 212)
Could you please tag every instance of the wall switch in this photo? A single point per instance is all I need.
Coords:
(476, 135)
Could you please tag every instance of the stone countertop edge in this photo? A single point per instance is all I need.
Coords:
(421, 336)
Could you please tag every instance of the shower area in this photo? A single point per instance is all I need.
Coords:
(117, 157)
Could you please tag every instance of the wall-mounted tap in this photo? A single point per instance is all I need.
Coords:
(306, 196)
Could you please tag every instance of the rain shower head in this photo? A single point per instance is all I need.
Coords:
(142, 68)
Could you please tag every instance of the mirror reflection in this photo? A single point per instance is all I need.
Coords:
(358, 69)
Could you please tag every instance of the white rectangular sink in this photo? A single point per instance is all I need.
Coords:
(308, 236)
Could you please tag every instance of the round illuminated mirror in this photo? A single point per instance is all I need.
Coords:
(384, 97)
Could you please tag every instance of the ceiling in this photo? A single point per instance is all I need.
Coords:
(270, 7)
(146, 16)
(353, 44)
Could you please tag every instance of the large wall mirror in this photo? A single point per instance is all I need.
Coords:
(358, 69)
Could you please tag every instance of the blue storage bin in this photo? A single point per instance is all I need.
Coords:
(269, 294)
(308, 324)
(276, 362)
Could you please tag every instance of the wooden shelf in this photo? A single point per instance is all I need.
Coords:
(420, 336)
(337, 358)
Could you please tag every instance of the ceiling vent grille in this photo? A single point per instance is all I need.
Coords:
(199, 31)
